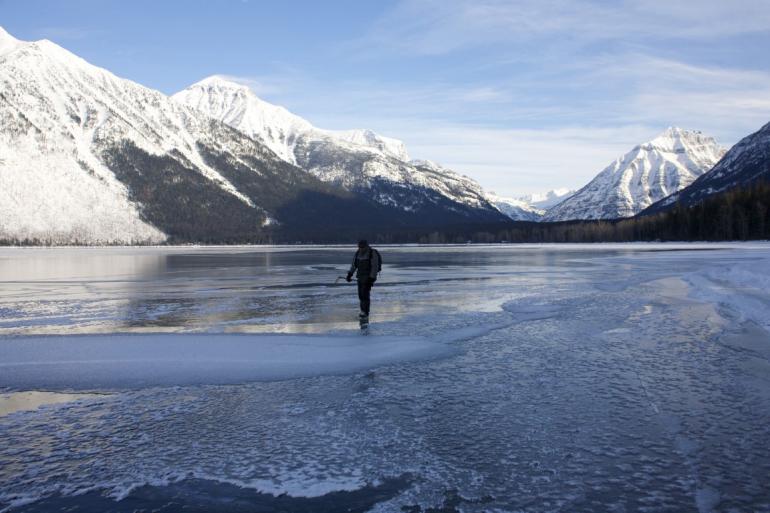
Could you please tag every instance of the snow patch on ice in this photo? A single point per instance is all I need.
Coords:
(531, 312)
(138, 361)
(706, 499)
(32, 400)
(742, 287)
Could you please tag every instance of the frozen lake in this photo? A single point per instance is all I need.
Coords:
(495, 378)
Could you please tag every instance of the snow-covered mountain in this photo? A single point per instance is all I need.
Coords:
(364, 137)
(52, 184)
(360, 161)
(86, 156)
(235, 105)
(646, 174)
(279, 129)
(743, 165)
(91, 157)
(515, 208)
(548, 199)
(531, 207)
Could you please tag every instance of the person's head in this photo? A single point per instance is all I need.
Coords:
(362, 244)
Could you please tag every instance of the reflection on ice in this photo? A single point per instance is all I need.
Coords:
(258, 289)
(32, 400)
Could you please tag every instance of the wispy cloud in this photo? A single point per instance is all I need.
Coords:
(629, 89)
(272, 85)
(336, 105)
(726, 102)
(436, 27)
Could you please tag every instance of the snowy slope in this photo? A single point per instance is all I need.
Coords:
(516, 209)
(8, 43)
(548, 199)
(141, 360)
(279, 129)
(88, 157)
(385, 145)
(52, 186)
(746, 163)
(237, 106)
(646, 174)
(531, 207)
(428, 176)
(361, 161)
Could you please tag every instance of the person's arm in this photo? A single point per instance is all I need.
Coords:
(353, 266)
(375, 265)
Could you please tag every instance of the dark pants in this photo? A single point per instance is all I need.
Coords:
(364, 289)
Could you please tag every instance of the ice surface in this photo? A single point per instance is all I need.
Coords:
(741, 287)
(582, 378)
(738, 282)
(133, 361)
(31, 400)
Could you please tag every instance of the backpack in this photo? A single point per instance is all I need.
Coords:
(379, 258)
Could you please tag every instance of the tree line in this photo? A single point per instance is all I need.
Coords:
(738, 214)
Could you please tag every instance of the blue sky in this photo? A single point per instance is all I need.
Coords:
(522, 95)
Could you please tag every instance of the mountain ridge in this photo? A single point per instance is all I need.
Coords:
(359, 161)
(238, 106)
(647, 173)
(516, 209)
(89, 157)
(547, 199)
(94, 158)
(743, 165)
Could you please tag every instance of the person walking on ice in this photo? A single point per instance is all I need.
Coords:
(366, 265)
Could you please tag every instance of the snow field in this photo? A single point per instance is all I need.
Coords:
(108, 362)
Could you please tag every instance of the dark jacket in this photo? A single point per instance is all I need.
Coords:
(365, 264)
